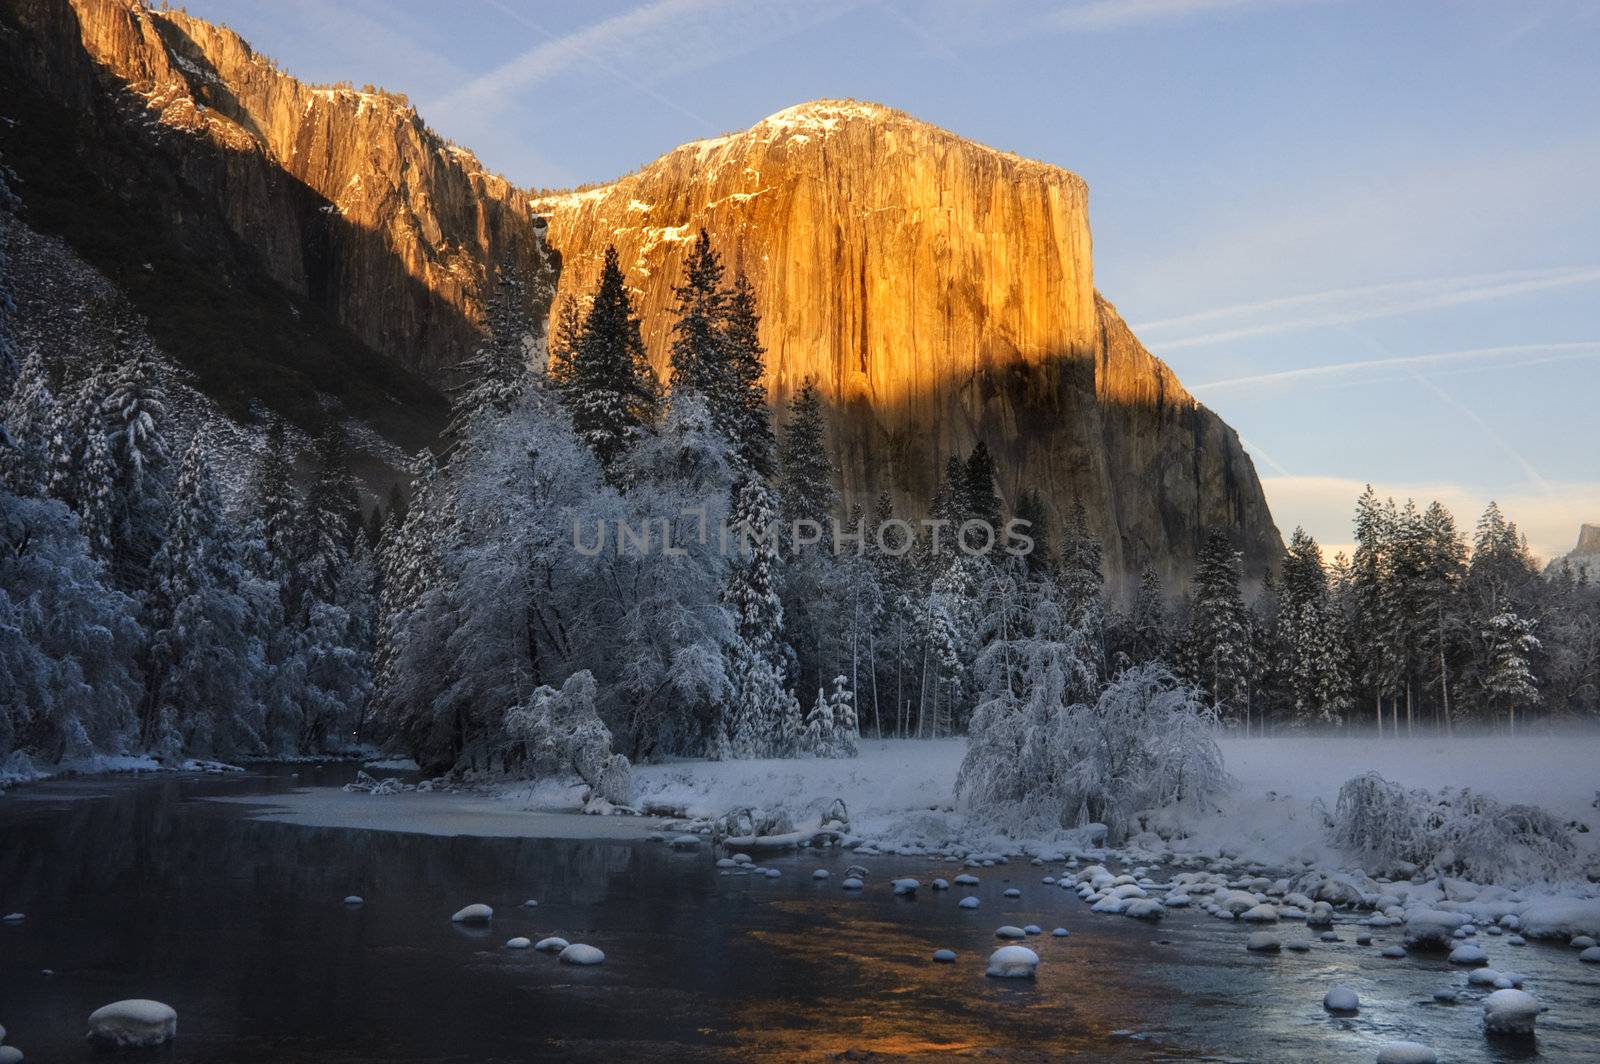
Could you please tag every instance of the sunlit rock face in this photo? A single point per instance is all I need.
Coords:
(343, 196)
(941, 292)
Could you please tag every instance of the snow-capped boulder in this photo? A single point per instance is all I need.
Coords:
(1009, 931)
(1260, 914)
(1468, 954)
(1516, 940)
(578, 953)
(1125, 892)
(1263, 942)
(1485, 977)
(1510, 1012)
(1145, 909)
(1059, 932)
(1590, 955)
(1011, 892)
(686, 842)
(941, 884)
(1561, 918)
(1032, 929)
(966, 879)
(10, 1055)
(821, 873)
(1177, 900)
(944, 956)
(550, 945)
(354, 900)
(852, 883)
(134, 1023)
(13, 918)
(518, 943)
(1393, 953)
(1432, 929)
(906, 886)
(1582, 942)
(1406, 1053)
(473, 914)
(969, 902)
(1013, 962)
(1341, 999)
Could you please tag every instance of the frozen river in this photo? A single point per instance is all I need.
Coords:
(138, 889)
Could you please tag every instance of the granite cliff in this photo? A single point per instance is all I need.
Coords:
(288, 243)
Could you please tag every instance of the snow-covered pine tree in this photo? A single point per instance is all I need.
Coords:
(327, 522)
(1369, 568)
(763, 716)
(494, 374)
(30, 415)
(96, 493)
(741, 397)
(1220, 624)
(1031, 508)
(565, 335)
(819, 738)
(1315, 666)
(206, 666)
(1508, 681)
(698, 345)
(1441, 624)
(1149, 622)
(846, 729)
(1082, 583)
(806, 481)
(134, 415)
(613, 394)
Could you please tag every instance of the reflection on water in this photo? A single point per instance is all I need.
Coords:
(135, 889)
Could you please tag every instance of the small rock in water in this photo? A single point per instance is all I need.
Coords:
(1330, 936)
(354, 900)
(941, 884)
(133, 1023)
(966, 879)
(1013, 962)
(821, 873)
(13, 918)
(739, 858)
(773, 873)
(906, 886)
(1447, 996)
(1059, 932)
(1406, 1053)
(10, 1055)
(851, 883)
(969, 902)
(1590, 955)
(530, 904)
(518, 943)
(474, 914)
(944, 956)
(1298, 945)
(1581, 942)
(1394, 953)
(1363, 939)
(1510, 1012)
(1263, 942)
(1260, 914)
(686, 842)
(1144, 909)
(1031, 929)
(550, 945)
(1341, 999)
(1468, 955)
(578, 953)
(1012, 892)
(1010, 931)
(1516, 940)
(727, 862)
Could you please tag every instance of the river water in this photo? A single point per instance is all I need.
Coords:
(140, 888)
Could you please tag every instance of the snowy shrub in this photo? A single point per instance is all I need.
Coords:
(1147, 742)
(1379, 818)
(1456, 833)
(560, 731)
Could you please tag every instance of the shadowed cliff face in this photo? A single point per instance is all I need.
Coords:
(942, 292)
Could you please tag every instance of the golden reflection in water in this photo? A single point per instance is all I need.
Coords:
(873, 992)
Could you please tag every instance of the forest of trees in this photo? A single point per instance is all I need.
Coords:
(148, 605)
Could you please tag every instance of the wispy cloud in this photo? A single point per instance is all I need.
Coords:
(1101, 16)
(650, 42)
(1346, 306)
(1325, 506)
(1521, 353)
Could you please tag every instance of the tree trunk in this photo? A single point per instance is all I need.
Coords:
(1409, 726)
(1378, 700)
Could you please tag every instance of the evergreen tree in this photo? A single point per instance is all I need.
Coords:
(1507, 677)
(698, 346)
(819, 740)
(565, 336)
(495, 374)
(763, 718)
(30, 418)
(846, 730)
(1368, 612)
(1031, 508)
(740, 399)
(806, 484)
(612, 394)
(1441, 633)
(1314, 664)
(1149, 625)
(1221, 629)
(978, 499)
(326, 534)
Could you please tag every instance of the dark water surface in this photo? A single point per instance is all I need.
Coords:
(138, 889)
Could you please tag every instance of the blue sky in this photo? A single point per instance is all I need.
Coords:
(1367, 233)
